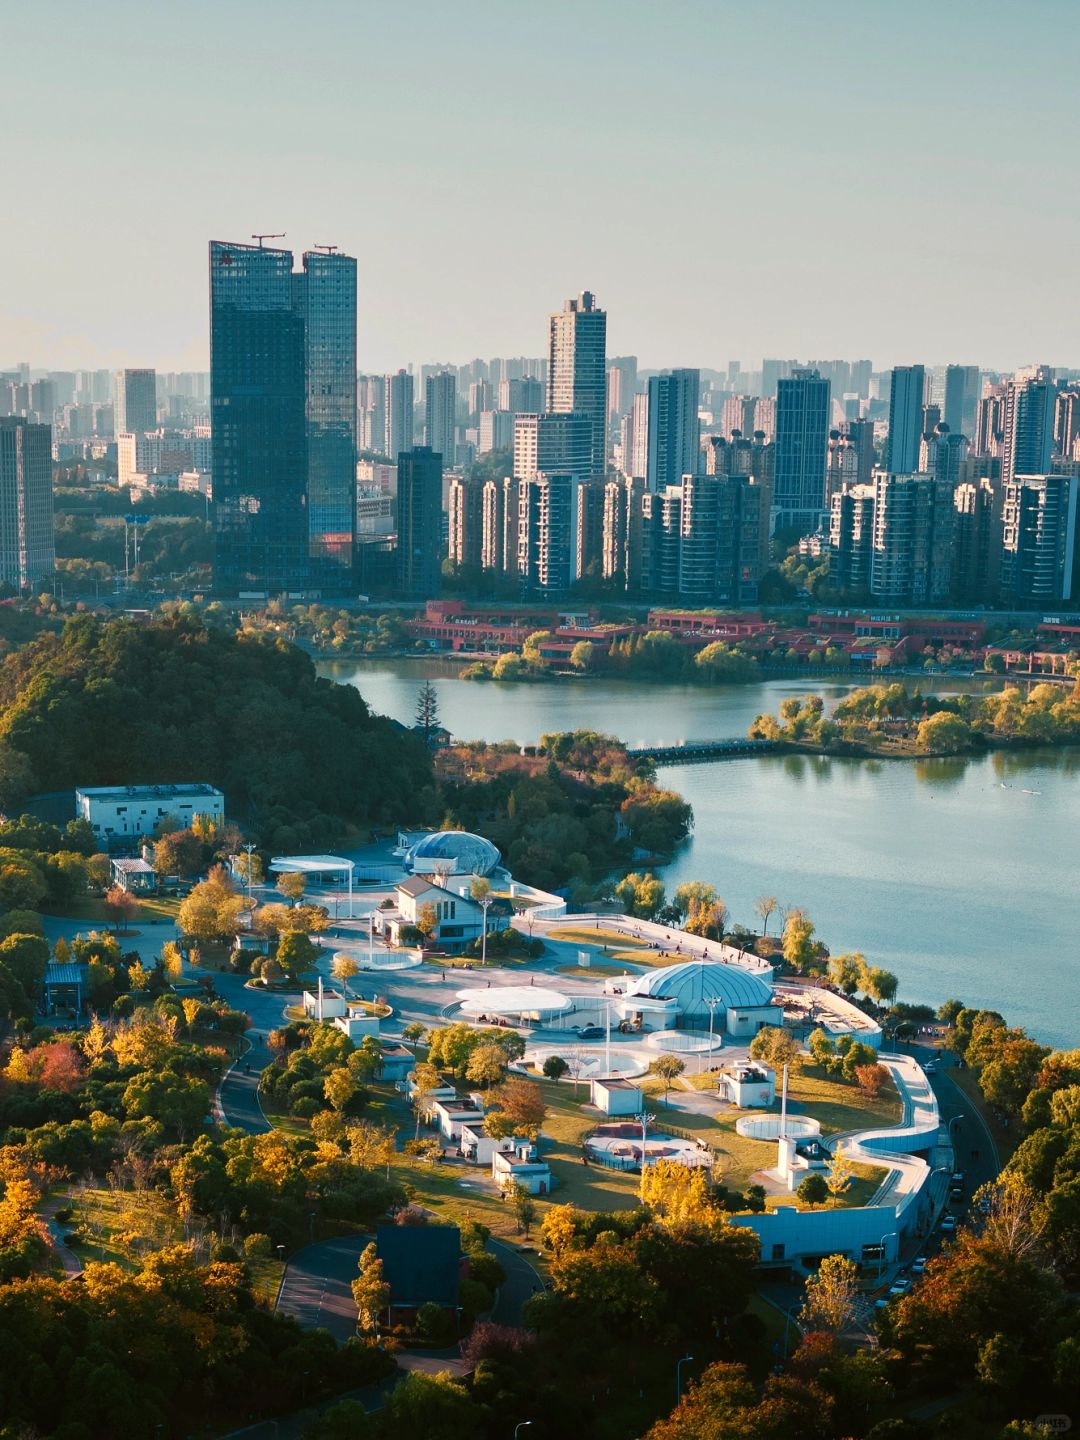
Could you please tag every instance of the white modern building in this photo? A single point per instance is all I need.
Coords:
(126, 812)
(617, 1097)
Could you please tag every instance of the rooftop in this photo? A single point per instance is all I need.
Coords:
(147, 792)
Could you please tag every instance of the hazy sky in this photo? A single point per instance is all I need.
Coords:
(841, 178)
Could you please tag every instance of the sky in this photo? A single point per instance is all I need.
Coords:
(846, 178)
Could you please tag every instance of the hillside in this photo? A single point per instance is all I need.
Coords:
(300, 759)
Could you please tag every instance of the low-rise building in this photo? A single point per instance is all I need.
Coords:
(514, 1167)
(477, 1147)
(423, 1265)
(133, 874)
(749, 1086)
(617, 1097)
(458, 919)
(122, 814)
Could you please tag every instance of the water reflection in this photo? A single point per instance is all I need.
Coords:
(945, 771)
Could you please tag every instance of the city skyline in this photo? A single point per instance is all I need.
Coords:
(879, 220)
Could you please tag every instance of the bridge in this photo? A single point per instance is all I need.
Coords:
(725, 748)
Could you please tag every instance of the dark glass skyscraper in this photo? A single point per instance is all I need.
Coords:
(802, 440)
(283, 416)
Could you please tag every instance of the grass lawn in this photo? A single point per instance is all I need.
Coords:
(120, 1226)
(838, 1105)
(580, 935)
(151, 908)
(592, 1187)
(585, 971)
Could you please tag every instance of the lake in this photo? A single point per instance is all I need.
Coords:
(959, 875)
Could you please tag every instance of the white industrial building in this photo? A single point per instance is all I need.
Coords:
(127, 812)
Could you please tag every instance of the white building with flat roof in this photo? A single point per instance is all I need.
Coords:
(126, 812)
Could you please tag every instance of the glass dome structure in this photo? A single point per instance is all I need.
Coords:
(695, 982)
(468, 854)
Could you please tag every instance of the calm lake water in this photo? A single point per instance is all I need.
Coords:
(960, 876)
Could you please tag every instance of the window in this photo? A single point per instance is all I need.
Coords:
(778, 1252)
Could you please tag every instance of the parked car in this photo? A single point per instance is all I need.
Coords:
(900, 1286)
(918, 1265)
(948, 1225)
(590, 1032)
(931, 1067)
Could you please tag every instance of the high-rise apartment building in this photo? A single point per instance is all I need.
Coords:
(1039, 541)
(851, 537)
(989, 438)
(419, 523)
(27, 553)
(976, 540)
(861, 434)
(283, 417)
(907, 396)
(1030, 407)
(912, 545)
(961, 398)
(549, 524)
(371, 406)
(802, 437)
(942, 454)
(674, 431)
(440, 415)
(521, 396)
(558, 443)
(496, 431)
(577, 370)
(1067, 423)
(466, 522)
(134, 401)
(399, 414)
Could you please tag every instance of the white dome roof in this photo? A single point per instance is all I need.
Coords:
(468, 854)
(694, 982)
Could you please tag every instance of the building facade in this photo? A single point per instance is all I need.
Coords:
(802, 436)
(674, 431)
(283, 419)
(440, 415)
(419, 523)
(577, 371)
(907, 396)
(27, 545)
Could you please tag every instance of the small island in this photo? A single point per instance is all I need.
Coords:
(890, 721)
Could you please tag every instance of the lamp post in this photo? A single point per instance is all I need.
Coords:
(520, 1426)
(645, 1119)
(889, 1235)
(485, 904)
(712, 1002)
(678, 1376)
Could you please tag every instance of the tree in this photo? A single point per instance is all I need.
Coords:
(341, 1088)
(880, 985)
(370, 1290)
(813, 1190)
(98, 871)
(427, 712)
(708, 921)
(775, 1046)
(522, 1102)
(121, 906)
(641, 894)
(799, 949)
(832, 1301)
(437, 1407)
(479, 888)
(848, 972)
(486, 1065)
(425, 1079)
(764, 907)
(292, 884)
(344, 967)
(524, 1207)
(870, 1079)
(295, 953)
(347, 1420)
(211, 912)
(668, 1068)
(427, 921)
(179, 853)
(945, 734)
(413, 1031)
(555, 1067)
(692, 896)
(249, 867)
(583, 655)
(840, 1173)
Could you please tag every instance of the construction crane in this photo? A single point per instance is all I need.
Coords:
(261, 238)
(328, 248)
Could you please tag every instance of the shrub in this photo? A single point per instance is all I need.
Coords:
(257, 1246)
(433, 1323)
(304, 1108)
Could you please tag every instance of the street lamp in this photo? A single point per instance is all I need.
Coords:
(890, 1235)
(712, 1001)
(645, 1119)
(520, 1426)
(485, 904)
(678, 1376)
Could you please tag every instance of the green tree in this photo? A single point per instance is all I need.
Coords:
(437, 1407)
(775, 1046)
(668, 1068)
(813, 1191)
(583, 656)
(427, 712)
(344, 968)
(486, 1065)
(295, 953)
(555, 1067)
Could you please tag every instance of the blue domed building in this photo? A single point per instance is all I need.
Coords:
(685, 995)
(462, 852)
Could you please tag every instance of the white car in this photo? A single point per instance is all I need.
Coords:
(918, 1265)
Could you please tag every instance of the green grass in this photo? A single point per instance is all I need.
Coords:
(579, 935)
(838, 1105)
(584, 972)
(151, 907)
